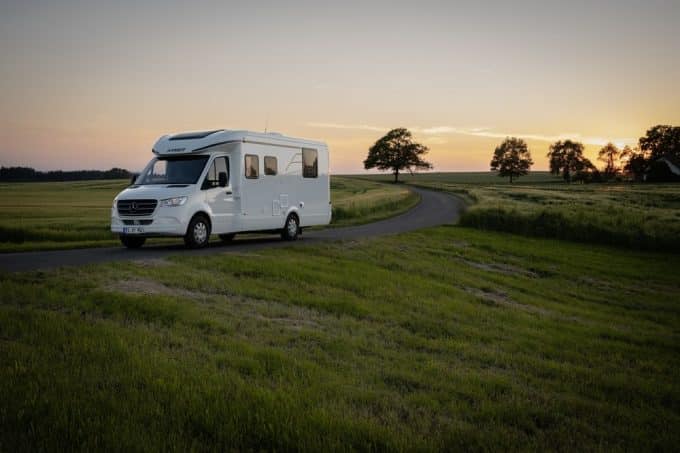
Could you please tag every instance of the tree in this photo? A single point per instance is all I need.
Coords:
(609, 154)
(635, 162)
(511, 158)
(660, 141)
(397, 151)
(567, 157)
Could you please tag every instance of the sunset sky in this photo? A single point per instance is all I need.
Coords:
(93, 84)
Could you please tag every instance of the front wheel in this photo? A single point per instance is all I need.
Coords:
(132, 242)
(198, 232)
(291, 229)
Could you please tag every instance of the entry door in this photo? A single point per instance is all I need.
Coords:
(220, 199)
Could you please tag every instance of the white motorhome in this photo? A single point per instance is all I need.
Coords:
(225, 182)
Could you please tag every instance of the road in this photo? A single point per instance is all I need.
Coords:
(435, 208)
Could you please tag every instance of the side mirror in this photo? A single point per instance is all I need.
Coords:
(133, 178)
(222, 179)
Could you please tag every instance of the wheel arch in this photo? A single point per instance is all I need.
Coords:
(203, 213)
(294, 211)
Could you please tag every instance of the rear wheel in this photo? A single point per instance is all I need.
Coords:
(198, 232)
(291, 229)
(227, 237)
(132, 242)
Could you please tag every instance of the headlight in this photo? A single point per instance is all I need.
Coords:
(170, 202)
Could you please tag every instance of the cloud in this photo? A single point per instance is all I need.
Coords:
(485, 132)
(356, 127)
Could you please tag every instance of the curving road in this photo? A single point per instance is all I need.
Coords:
(435, 208)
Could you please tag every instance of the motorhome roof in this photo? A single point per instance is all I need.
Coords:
(202, 141)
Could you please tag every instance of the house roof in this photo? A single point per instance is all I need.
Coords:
(672, 162)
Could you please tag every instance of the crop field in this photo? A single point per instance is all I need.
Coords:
(55, 215)
(640, 216)
(448, 338)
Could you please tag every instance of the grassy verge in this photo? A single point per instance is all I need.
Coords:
(356, 201)
(447, 338)
(48, 216)
(641, 216)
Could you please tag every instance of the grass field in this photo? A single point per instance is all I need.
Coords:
(360, 201)
(640, 216)
(36, 216)
(448, 338)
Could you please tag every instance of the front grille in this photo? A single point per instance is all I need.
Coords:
(136, 207)
(138, 222)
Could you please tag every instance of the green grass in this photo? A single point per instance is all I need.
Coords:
(447, 338)
(56, 214)
(358, 201)
(641, 216)
(42, 216)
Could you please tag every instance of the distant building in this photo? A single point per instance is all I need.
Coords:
(664, 169)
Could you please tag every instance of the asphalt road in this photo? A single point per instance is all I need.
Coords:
(435, 208)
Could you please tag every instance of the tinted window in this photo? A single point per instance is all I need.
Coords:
(270, 165)
(212, 179)
(310, 163)
(252, 166)
(173, 170)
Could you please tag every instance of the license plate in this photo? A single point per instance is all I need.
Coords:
(133, 230)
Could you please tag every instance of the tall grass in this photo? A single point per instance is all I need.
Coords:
(640, 216)
(358, 201)
(619, 229)
(367, 212)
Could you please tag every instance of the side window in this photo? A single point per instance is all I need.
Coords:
(222, 166)
(212, 178)
(270, 165)
(252, 166)
(310, 163)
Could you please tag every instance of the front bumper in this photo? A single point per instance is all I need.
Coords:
(159, 226)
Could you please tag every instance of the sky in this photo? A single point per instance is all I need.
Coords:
(91, 84)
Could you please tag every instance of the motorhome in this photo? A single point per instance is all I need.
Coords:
(225, 182)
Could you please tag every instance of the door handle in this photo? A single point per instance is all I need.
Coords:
(228, 192)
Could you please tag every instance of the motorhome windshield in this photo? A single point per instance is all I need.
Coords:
(173, 170)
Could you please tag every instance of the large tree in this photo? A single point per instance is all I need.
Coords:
(567, 157)
(511, 158)
(660, 141)
(397, 151)
(609, 154)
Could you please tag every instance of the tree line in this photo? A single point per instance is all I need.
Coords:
(648, 161)
(27, 174)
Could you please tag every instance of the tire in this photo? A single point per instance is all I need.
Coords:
(291, 229)
(198, 233)
(227, 237)
(132, 242)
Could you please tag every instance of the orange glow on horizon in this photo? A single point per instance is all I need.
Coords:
(73, 99)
